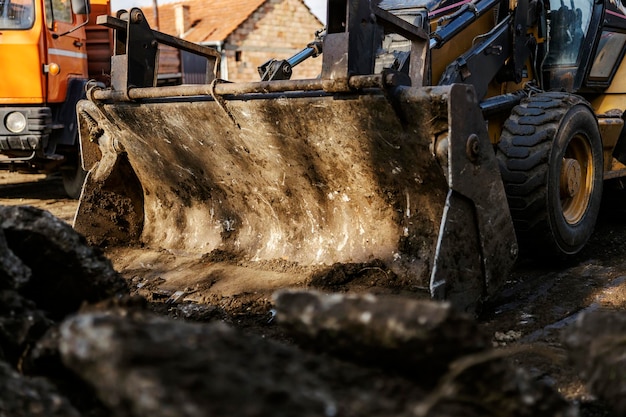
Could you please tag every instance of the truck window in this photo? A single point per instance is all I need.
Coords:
(58, 11)
(16, 14)
(569, 24)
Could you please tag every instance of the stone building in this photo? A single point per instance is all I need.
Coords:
(246, 32)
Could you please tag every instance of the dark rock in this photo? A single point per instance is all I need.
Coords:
(30, 397)
(13, 272)
(65, 270)
(428, 342)
(486, 384)
(144, 365)
(44, 359)
(416, 337)
(597, 347)
(21, 324)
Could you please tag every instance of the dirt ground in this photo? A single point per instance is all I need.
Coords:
(538, 302)
(37, 190)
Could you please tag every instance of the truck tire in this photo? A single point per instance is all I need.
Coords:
(550, 157)
(73, 178)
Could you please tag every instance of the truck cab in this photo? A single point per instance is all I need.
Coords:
(49, 49)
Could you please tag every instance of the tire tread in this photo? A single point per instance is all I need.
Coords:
(523, 155)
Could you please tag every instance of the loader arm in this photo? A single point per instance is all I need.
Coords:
(502, 52)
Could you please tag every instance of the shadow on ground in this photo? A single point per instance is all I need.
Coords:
(50, 187)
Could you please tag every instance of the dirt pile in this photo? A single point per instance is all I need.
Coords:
(74, 342)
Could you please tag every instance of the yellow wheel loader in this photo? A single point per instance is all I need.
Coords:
(439, 136)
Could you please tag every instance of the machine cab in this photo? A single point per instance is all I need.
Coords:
(586, 42)
(40, 49)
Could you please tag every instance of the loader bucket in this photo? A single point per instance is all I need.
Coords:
(402, 175)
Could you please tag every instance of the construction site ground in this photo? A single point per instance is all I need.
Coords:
(539, 301)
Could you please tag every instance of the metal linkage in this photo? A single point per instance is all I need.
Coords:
(281, 69)
(134, 63)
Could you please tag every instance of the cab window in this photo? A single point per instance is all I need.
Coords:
(569, 24)
(608, 55)
(16, 14)
(58, 11)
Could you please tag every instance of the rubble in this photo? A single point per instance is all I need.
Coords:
(597, 347)
(47, 271)
(145, 365)
(21, 325)
(426, 341)
(416, 337)
(13, 272)
(31, 397)
(64, 270)
(66, 317)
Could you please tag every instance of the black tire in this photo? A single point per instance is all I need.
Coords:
(550, 157)
(73, 178)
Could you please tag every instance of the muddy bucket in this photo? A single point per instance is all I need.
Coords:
(287, 171)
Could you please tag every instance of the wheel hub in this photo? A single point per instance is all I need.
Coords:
(570, 178)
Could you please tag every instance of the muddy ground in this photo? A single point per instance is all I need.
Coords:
(539, 302)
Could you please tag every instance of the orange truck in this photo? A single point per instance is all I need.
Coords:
(49, 51)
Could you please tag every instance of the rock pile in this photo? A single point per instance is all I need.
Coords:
(74, 343)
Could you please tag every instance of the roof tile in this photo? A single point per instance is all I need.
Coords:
(211, 20)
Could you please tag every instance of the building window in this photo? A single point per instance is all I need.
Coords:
(237, 56)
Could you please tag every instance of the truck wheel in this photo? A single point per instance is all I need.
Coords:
(550, 157)
(73, 179)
